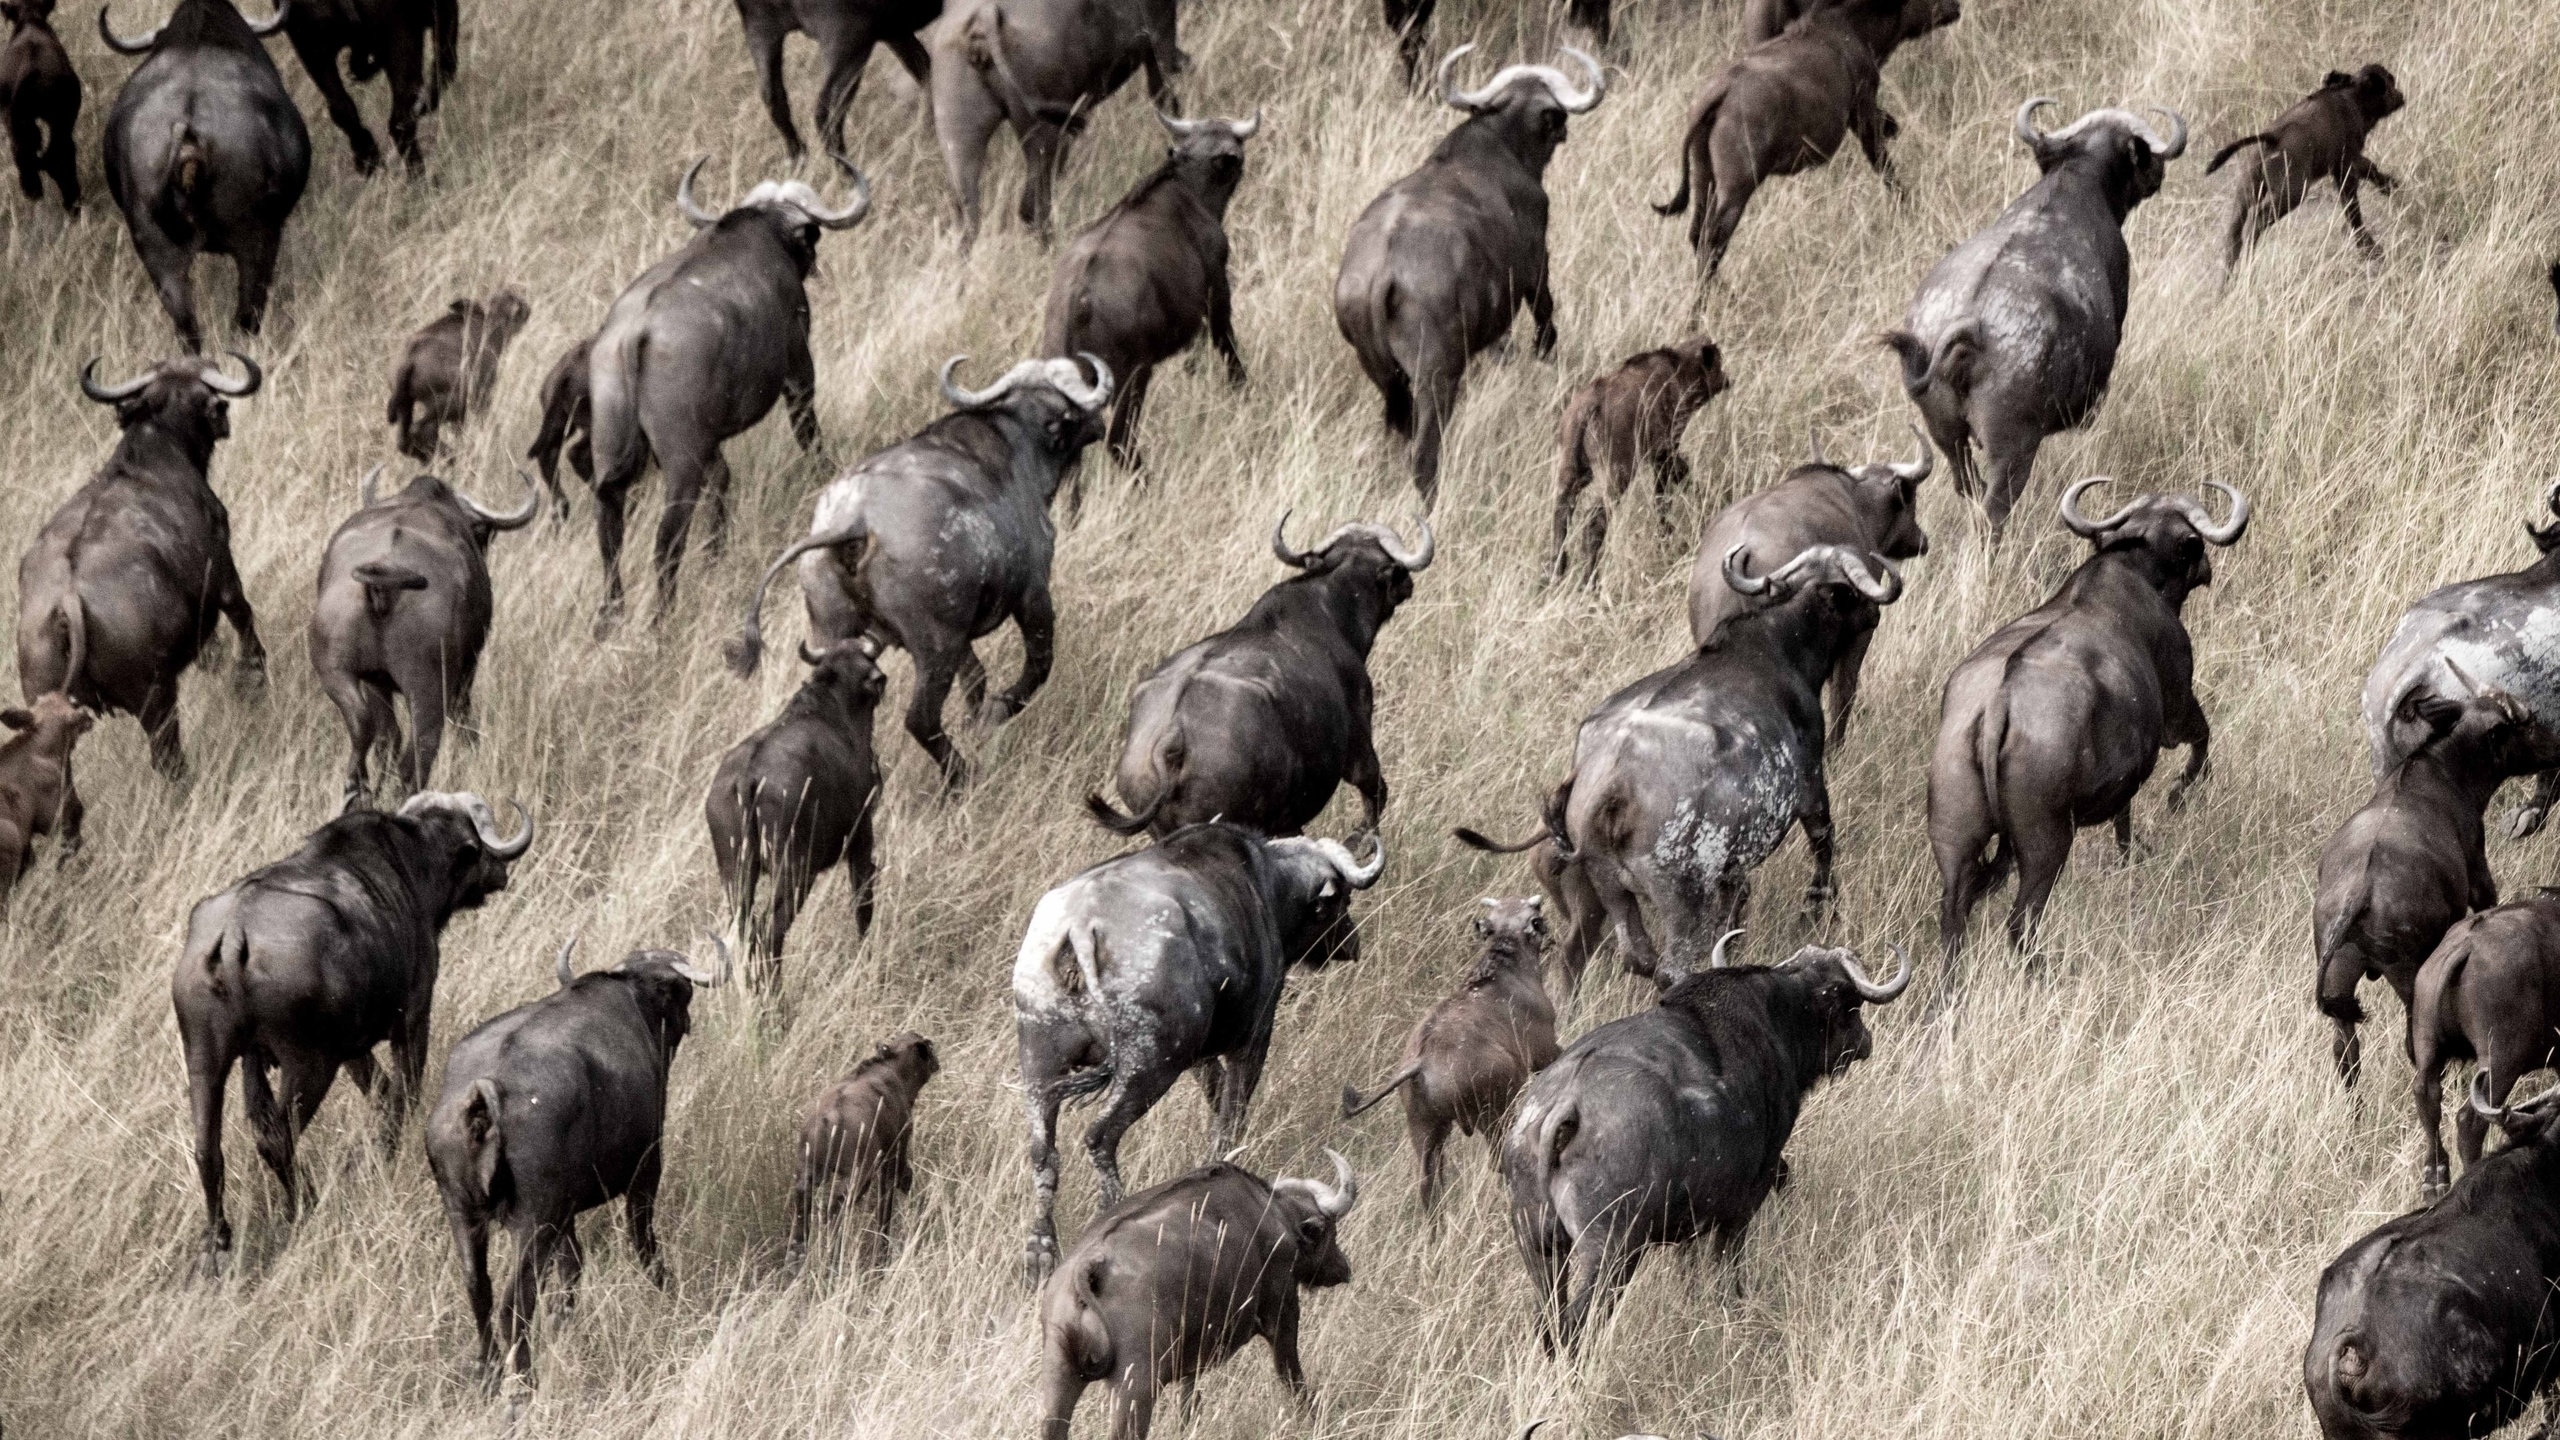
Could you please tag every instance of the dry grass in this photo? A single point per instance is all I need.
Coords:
(2100, 1212)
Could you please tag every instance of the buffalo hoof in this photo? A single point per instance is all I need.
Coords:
(249, 677)
(1039, 1257)
(2434, 1183)
(608, 619)
(998, 709)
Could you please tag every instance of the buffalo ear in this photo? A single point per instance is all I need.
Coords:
(18, 719)
(2337, 80)
(1311, 1232)
(2435, 712)
(1484, 927)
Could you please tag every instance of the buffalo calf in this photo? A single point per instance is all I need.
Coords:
(1632, 416)
(1471, 1054)
(450, 367)
(40, 98)
(36, 793)
(2321, 138)
(2490, 993)
(853, 1143)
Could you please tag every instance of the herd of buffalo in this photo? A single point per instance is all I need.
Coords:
(1657, 1129)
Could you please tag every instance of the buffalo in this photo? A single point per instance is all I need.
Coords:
(1137, 285)
(696, 351)
(40, 98)
(796, 798)
(303, 966)
(1672, 1123)
(2012, 337)
(2490, 993)
(449, 368)
(598, 1049)
(2439, 1325)
(37, 796)
(1039, 66)
(403, 612)
(1167, 960)
(936, 541)
(2412, 861)
(1261, 722)
(1174, 1280)
(1767, 19)
(1873, 508)
(1631, 416)
(206, 154)
(1686, 780)
(853, 1143)
(2057, 719)
(122, 588)
(2321, 138)
(568, 420)
(387, 37)
(846, 32)
(1470, 1055)
(1439, 265)
(1783, 108)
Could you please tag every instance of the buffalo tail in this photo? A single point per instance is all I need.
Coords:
(1118, 824)
(1478, 840)
(484, 1143)
(750, 864)
(1924, 366)
(746, 651)
(75, 636)
(176, 208)
(2234, 148)
(383, 584)
(1084, 1341)
(1990, 732)
(1693, 143)
(1352, 1104)
(1171, 749)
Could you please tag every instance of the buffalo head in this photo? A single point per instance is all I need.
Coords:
(2375, 89)
(1526, 104)
(1840, 573)
(52, 712)
(1317, 930)
(662, 984)
(27, 12)
(481, 523)
(789, 206)
(846, 672)
(1374, 557)
(2168, 533)
(2492, 731)
(188, 400)
(1208, 155)
(1314, 1211)
(1836, 988)
(1889, 493)
(2546, 538)
(1052, 398)
(476, 855)
(226, 18)
(2129, 155)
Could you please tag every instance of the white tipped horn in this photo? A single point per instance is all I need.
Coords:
(560, 966)
(1742, 583)
(700, 217)
(1715, 957)
(1868, 989)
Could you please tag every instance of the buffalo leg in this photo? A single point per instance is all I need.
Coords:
(1813, 811)
(1670, 477)
(1131, 1096)
(448, 27)
(407, 1075)
(935, 670)
(612, 497)
(1041, 1098)
(918, 62)
(1063, 1388)
(1601, 1267)
(1235, 1093)
(1283, 1340)
(2427, 1090)
(2123, 824)
(716, 481)
(2351, 200)
(884, 1210)
(2012, 461)
(1732, 198)
(640, 1208)
(1368, 777)
(1429, 1134)
(1124, 417)
(1627, 918)
(1584, 926)
(249, 672)
(208, 1073)
(1133, 1403)
(426, 731)
(406, 65)
(2199, 765)
(524, 1289)
(1844, 684)
(1411, 22)
(1595, 540)
(471, 1240)
(2043, 847)
(2340, 972)
(1435, 397)
(963, 122)
(2528, 817)
(62, 159)
(1038, 622)
(1573, 476)
(861, 872)
(847, 47)
(67, 824)
(172, 272)
(320, 61)
(765, 34)
(26, 144)
(1542, 318)
(567, 1263)
(159, 717)
(355, 707)
(1044, 154)
(1875, 128)
(688, 461)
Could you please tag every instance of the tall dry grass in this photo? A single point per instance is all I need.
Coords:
(2101, 1211)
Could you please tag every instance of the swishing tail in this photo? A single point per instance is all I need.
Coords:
(750, 867)
(383, 584)
(2234, 148)
(1948, 363)
(75, 635)
(747, 650)
(1693, 144)
(1551, 828)
(1352, 1104)
(485, 1174)
(178, 208)
(1990, 732)
(1172, 747)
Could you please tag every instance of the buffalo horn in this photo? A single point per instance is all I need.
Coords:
(221, 384)
(113, 394)
(1868, 989)
(485, 821)
(2164, 149)
(1733, 574)
(1574, 101)
(1181, 129)
(1416, 559)
(811, 657)
(1335, 1200)
(1353, 873)
(1448, 93)
(1246, 129)
(684, 196)
(1070, 382)
(2229, 530)
(273, 23)
(2177, 145)
(560, 963)
(1715, 957)
(851, 215)
(1301, 559)
(121, 45)
(1918, 469)
(1853, 568)
(2028, 134)
(2480, 1105)
(2081, 525)
(364, 487)
(707, 979)
(1813, 442)
(515, 519)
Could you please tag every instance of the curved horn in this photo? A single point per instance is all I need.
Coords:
(1294, 559)
(2177, 145)
(560, 962)
(1742, 584)
(1181, 129)
(1353, 873)
(851, 215)
(1336, 1199)
(1246, 129)
(706, 979)
(112, 394)
(221, 384)
(485, 822)
(515, 519)
(2480, 1106)
(2081, 525)
(364, 487)
(1448, 95)
(1868, 989)
(121, 45)
(1853, 568)
(1415, 560)
(971, 399)
(811, 657)
(1577, 102)
(684, 196)
(1715, 957)
(1071, 383)
(273, 23)
(2025, 124)
(1916, 470)
(2229, 530)
(1813, 444)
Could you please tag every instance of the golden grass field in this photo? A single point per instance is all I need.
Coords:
(2100, 1211)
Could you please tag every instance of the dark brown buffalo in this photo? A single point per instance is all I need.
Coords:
(378, 37)
(1263, 721)
(1765, 19)
(2412, 861)
(305, 965)
(1628, 418)
(1172, 1281)
(1874, 509)
(1137, 285)
(403, 612)
(40, 97)
(37, 797)
(449, 369)
(2321, 138)
(2057, 719)
(795, 798)
(853, 1143)
(846, 32)
(1784, 107)
(121, 589)
(1470, 1055)
(1439, 266)
(2490, 993)
(567, 425)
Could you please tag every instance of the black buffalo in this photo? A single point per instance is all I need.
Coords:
(846, 32)
(387, 37)
(40, 99)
